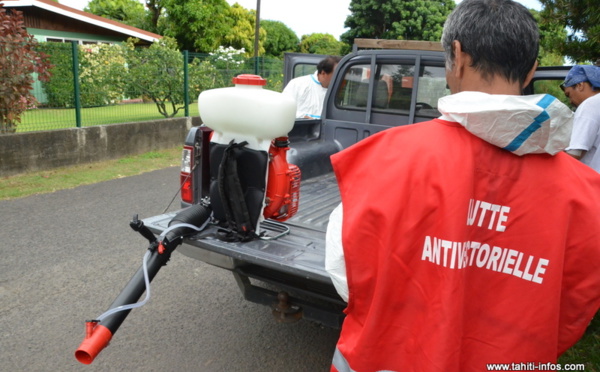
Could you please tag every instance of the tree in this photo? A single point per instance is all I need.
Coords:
(130, 12)
(156, 73)
(551, 34)
(198, 25)
(155, 9)
(582, 20)
(320, 44)
(280, 38)
(241, 33)
(397, 19)
(19, 60)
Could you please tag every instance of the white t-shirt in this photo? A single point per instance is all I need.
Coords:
(586, 131)
(309, 95)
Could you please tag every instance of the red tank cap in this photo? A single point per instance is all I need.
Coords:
(248, 79)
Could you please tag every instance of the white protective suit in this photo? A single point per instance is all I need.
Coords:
(309, 95)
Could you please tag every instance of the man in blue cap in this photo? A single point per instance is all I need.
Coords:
(582, 86)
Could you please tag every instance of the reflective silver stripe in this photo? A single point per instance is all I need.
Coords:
(341, 364)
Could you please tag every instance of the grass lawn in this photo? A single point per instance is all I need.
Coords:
(49, 119)
(587, 350)
(68, 177)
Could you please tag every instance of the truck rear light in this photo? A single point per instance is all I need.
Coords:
(185, 177)
(186, 159)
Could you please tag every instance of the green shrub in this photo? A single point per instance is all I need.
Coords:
(103, 74)
(59, 89)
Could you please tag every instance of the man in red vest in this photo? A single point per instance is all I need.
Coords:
(472, 239)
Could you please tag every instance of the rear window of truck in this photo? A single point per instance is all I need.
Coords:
(393, 90)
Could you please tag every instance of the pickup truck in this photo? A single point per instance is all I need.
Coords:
(371, 90)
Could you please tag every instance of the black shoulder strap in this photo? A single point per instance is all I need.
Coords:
(232, 195)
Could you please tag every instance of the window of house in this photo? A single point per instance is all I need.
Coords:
(79, 41)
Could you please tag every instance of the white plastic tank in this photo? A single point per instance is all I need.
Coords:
(247, 112)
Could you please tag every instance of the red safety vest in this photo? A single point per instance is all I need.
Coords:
(460, 254)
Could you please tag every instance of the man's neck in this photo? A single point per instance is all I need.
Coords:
(496, 85)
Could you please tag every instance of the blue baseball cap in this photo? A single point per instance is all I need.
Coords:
(581, 73)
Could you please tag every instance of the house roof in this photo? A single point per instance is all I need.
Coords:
(92, 19)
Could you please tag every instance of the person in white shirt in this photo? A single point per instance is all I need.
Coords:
(309, 90)
(582, 86)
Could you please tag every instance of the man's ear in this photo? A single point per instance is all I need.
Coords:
(584, 86)
(459, 60)
(530, 75)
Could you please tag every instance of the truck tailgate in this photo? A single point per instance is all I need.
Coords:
(300, 253)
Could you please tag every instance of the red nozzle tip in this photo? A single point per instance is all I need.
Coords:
(96, 339)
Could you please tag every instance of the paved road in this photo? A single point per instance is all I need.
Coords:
(66, 255)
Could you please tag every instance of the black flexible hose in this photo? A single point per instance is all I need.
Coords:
(195, 215)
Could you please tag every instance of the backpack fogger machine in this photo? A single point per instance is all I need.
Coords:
(249, 180)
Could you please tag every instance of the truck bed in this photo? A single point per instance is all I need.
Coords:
(301, 253)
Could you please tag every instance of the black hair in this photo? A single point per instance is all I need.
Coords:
(501, 36)
(327, 64)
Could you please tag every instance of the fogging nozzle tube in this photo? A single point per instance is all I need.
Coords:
(97, 338)
(99, 334)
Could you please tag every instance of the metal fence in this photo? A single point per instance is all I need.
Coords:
(103, 84)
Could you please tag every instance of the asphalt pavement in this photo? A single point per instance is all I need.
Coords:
(66, 255)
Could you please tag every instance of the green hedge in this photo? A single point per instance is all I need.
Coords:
(109, 74)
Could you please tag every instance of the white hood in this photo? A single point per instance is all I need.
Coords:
(532, 124)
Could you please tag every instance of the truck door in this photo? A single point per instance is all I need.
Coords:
(299, 64)
(375, 90)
